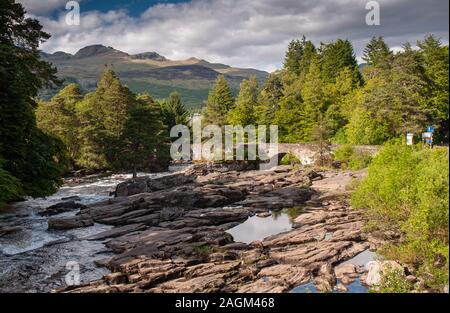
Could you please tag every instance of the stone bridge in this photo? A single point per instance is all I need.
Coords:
(307, 153)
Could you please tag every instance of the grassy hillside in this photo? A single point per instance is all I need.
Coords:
(149, 71)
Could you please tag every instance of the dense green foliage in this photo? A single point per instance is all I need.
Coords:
(32, 161)
(394, 93)
(110, 128)
(406, 192)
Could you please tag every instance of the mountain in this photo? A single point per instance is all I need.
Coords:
(148, 71)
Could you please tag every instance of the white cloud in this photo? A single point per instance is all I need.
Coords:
(251, 33)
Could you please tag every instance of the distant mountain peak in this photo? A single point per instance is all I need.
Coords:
(94, 50)
(152, 55)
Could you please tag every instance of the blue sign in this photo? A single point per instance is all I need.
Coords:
(430, 129)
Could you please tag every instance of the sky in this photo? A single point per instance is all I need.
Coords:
(243, 33)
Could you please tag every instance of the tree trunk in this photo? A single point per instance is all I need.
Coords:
(134, 172)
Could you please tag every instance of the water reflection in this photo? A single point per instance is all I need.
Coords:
(354, 287)
(258, 228)
(362, 258)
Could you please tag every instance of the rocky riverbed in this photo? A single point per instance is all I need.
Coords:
(173, 233)
(207, 228)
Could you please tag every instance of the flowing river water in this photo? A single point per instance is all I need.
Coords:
(36, 259)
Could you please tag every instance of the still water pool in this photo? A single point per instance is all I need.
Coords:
(258, 228)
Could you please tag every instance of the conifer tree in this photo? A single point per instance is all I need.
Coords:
(436, 65)
(91, 134)
(335, 57)
(220, 101)
(174, 112)
(268, 99)
(378, 54)
(243, 113)
(58, 117)
(293, 57)
(309, 56)
(314, 100)
(145, 138)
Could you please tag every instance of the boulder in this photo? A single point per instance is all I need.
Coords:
(77, 221)
(9, 230)
(148, 184)
(376, 269)
(61, 207)
(132, 187)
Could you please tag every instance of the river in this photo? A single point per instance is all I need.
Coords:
(34, 259)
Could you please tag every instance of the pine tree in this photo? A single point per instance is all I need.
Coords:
(91, 134)
(220, 101)
(58, 118)
(335, 57)
(145, 141)
(288, 115)
(268, 99)
(436, 66)
(314, 100)
(409, 88)
(174, 112)
(115, 102)
(392, 102)
(243, 113)
(293, 57)
(378, 54)
(341, 103)
(299, 55)
(309, 56)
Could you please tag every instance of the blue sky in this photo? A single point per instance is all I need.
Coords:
(134, 7)
(243, 33)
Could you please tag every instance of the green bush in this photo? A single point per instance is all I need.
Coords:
(290, 159)
(393, 281)
(351, 158)
(10, 187)
(406, 191)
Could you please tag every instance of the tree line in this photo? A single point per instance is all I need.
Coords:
(112, 128)
(322, 90)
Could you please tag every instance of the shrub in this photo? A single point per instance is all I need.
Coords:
(406, 191)
(352, 158)
(393, 281)
(290, 159)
